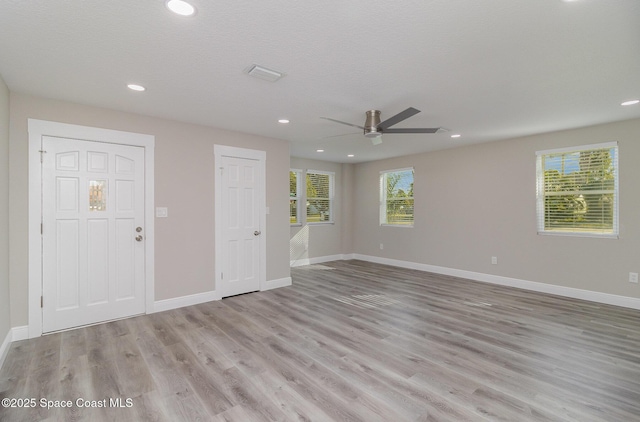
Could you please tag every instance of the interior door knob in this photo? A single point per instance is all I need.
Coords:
(138, 229)
(257, 233)
(139, 238)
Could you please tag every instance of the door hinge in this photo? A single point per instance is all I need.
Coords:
(41, 152)
(221, 276)
(41, 228)
(41, 302)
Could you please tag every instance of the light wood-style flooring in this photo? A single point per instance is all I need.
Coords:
(349, 341)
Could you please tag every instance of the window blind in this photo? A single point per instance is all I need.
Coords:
(578, 190)
(319, 197)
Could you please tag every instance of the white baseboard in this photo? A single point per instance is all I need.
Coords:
(14, 334)
(319, 260)
(20, 333)
(606, 298)
(274, 284)
(182, 301)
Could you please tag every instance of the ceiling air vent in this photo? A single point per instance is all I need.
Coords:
(263, 73)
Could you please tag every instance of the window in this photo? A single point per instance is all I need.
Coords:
(319, 196)
(97, 195)
(294, 196)
(396, 197)
(577, 190)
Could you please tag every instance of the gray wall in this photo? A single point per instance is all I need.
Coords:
(184, 180)
(475, 202)
(5, 319)
(324, 239)
(471, 203)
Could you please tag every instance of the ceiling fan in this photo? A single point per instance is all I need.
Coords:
(373, 128)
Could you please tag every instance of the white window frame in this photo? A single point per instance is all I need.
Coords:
(332, 181)
(540, 196)
(299, 197)
(383, 198)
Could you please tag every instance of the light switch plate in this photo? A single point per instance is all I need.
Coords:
(162, 212)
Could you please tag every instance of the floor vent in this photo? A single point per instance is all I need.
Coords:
(367, 301)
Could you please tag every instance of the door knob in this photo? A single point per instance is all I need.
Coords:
(138, 229)
(139, 238)
(257, 233)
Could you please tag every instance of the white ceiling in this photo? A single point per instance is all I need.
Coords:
(489, 70)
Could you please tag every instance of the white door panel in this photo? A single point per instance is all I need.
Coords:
(97, 262)
(92, 203)
(241, 225)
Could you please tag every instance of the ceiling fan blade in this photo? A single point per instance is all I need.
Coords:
(344, 123)
(414, 130)
(397, 118)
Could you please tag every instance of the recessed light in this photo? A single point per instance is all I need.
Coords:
(319, 150)
(136, 87)
(181, 7)
(630, 102)
(350, 155)
(455, 136)
(283, 121)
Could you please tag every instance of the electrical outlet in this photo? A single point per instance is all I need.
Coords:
(381, 246)
(494, 260)
(633, 277)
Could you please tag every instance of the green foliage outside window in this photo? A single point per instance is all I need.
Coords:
(397, 191)
(319, 193)
(579, 191)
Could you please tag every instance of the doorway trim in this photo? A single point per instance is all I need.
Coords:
(38, 129)
(220, 151)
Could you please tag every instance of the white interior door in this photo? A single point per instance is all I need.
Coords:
(92, 232)
(241, 210)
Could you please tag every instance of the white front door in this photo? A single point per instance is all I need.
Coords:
(92, 233)
(242, 180)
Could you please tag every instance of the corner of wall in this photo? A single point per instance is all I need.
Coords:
(348, 206)
(5, 302)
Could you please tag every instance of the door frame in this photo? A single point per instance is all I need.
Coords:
(219, 152)
(38, 129)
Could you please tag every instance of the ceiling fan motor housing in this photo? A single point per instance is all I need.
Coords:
(371, 124)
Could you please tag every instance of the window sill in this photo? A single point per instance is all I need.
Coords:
(405, 226)
(579, 234)
(320, 223)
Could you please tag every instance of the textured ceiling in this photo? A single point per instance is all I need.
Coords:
(489, 70)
